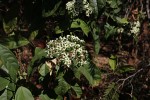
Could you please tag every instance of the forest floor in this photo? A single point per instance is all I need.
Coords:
(137, 57)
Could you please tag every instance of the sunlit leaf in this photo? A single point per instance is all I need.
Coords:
(33, 35)
(23, 94)
(113, 62)
(43, 70)
(122, 20)
(44, 97)
(78, 23)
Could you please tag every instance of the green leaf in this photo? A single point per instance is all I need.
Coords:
(51, 12)
(44, 97)
(13, 42)
(95, 33)
(111, 92)
(10, 25)
(9, 61)
(109, 30)
(125, 68)
(23, 94)
(44, 70)
(113, 62)
(4, 95)
(78, 23)
(122, 20)
(58, 30)
(4, 82)
(77, 89)
(94, 4)
(33, 35)
(38, 55)
(86, 72)
(62, 87)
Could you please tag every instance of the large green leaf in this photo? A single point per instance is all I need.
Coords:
(44, 97)
(9, 61)
(4, 95)
(86, 72)
(13, 42)
(23, 94)
(78, 23)
(91, 73)
(62, 87)
(10, 25)
(4, 83)
(44, 70)
(122, 20)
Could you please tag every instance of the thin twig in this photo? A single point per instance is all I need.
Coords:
(129, 77)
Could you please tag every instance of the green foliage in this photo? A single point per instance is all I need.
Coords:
(113, 62)
(23, 93)
(44, 97)
(13, 42)
(10, 26)
(111, 93)
(38, 55)
(9, 62)
(53, 11)
(78, 23)
(109, 30)
(4, 83)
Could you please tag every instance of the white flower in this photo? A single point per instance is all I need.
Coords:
(66, 49)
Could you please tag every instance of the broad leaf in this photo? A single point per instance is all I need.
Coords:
(44, 70)
(4, 95)
(86, 72)
(78, 23)
(44, 97)
(33, 35)
(13, 42)
(9, 61)
(10, 26)
(4, 83)
(122, 20)
(113, 62)
(23, 94)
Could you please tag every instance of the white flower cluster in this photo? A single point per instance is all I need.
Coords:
(135, 28)
(66, 50)
(75, 7)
